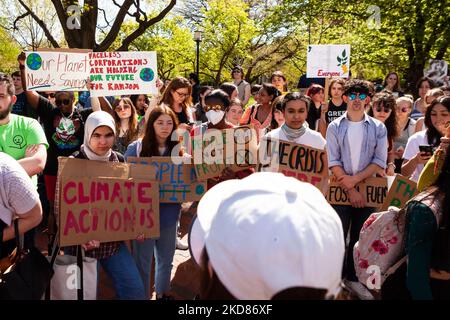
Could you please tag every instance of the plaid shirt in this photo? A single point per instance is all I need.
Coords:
(106, 249)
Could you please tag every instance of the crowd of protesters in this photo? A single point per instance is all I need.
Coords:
(365, 133)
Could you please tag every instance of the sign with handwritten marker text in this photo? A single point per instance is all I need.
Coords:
(328, 60)
(122, 73)
(402, 190)
(56, 71)
(177, 182)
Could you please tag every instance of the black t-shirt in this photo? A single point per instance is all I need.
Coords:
(64, 135)
(313, 116)
(334, 111)
(22, 108)
(182, 117)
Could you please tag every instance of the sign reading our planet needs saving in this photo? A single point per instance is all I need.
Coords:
(325, 61)
(111, 73)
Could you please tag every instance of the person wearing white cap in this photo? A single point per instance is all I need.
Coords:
(257, 240)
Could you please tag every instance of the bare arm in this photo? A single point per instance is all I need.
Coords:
(26, 222)
(36, 162)
(247, 94)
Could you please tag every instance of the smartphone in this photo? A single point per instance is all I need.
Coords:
(427, 149)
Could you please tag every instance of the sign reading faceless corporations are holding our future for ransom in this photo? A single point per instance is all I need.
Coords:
(106, 201)
(327, 61)
(111, 73)
(177, 181)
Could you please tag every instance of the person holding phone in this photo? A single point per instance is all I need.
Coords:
(417, 153)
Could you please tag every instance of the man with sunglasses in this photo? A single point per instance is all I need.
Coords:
(357, 149)
(244, 88)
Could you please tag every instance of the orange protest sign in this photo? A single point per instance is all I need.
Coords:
(294, 160)
(106, 201)
(373, 190)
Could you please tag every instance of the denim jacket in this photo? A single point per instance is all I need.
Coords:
(374, 147)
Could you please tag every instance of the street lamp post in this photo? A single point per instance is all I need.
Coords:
(198, 39)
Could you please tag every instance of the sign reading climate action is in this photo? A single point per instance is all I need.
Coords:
(106, 201)
(373, 190)
(294, 160)
(177, 181)
(122, 73)
(215, 150)
(328, 60)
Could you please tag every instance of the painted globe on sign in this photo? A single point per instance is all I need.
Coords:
(147, 74)
(34, 61)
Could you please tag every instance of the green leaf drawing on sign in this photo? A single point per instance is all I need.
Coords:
(339, 59)
(344, 54)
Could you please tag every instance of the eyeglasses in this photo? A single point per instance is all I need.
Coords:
(122, 108)
(182, 95)
(353, 96)
(379, 109)
(402, 110)
(65, 102)
(51, 95)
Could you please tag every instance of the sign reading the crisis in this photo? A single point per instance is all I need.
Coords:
(401, 190)
(56, 70)
(106, 201)
(373, 190)
(177, 182)
(122, 73)
(294, 160)
(330, 60)
(215, 150)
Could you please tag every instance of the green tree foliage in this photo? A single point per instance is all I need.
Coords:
(8, 52)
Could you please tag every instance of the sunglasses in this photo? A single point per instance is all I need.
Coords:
(402, 110)
(51, 95)
(379, 109)
(353, 96)
(65, 102)
(120, 108)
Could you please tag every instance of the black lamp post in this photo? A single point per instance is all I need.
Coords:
(198, 39)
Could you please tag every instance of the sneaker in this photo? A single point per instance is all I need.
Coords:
(181, 245)
(359, 290)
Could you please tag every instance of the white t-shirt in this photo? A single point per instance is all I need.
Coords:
(411, 149)
(310, 138)
(18, 194)
(355, 134)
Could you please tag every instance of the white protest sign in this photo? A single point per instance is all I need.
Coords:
(437, 71)
(56, 70)
(122, 73)
(324, 61)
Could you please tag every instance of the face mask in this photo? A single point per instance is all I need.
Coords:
(215, 116)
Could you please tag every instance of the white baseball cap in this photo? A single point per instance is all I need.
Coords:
(267, 233)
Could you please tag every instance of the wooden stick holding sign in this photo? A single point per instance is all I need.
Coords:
(234, 148)
(295, 160)
(177, 181)
(402, 190)
(106, 201)
(373, 190)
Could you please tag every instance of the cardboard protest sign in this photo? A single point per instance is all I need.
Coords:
(106, 201)
(57, 70)
(294, 160)
(374, 192)
(177, 181)
(437, 71)
(122, 73)
(401, 190)
(329, 60)
(215, 150)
